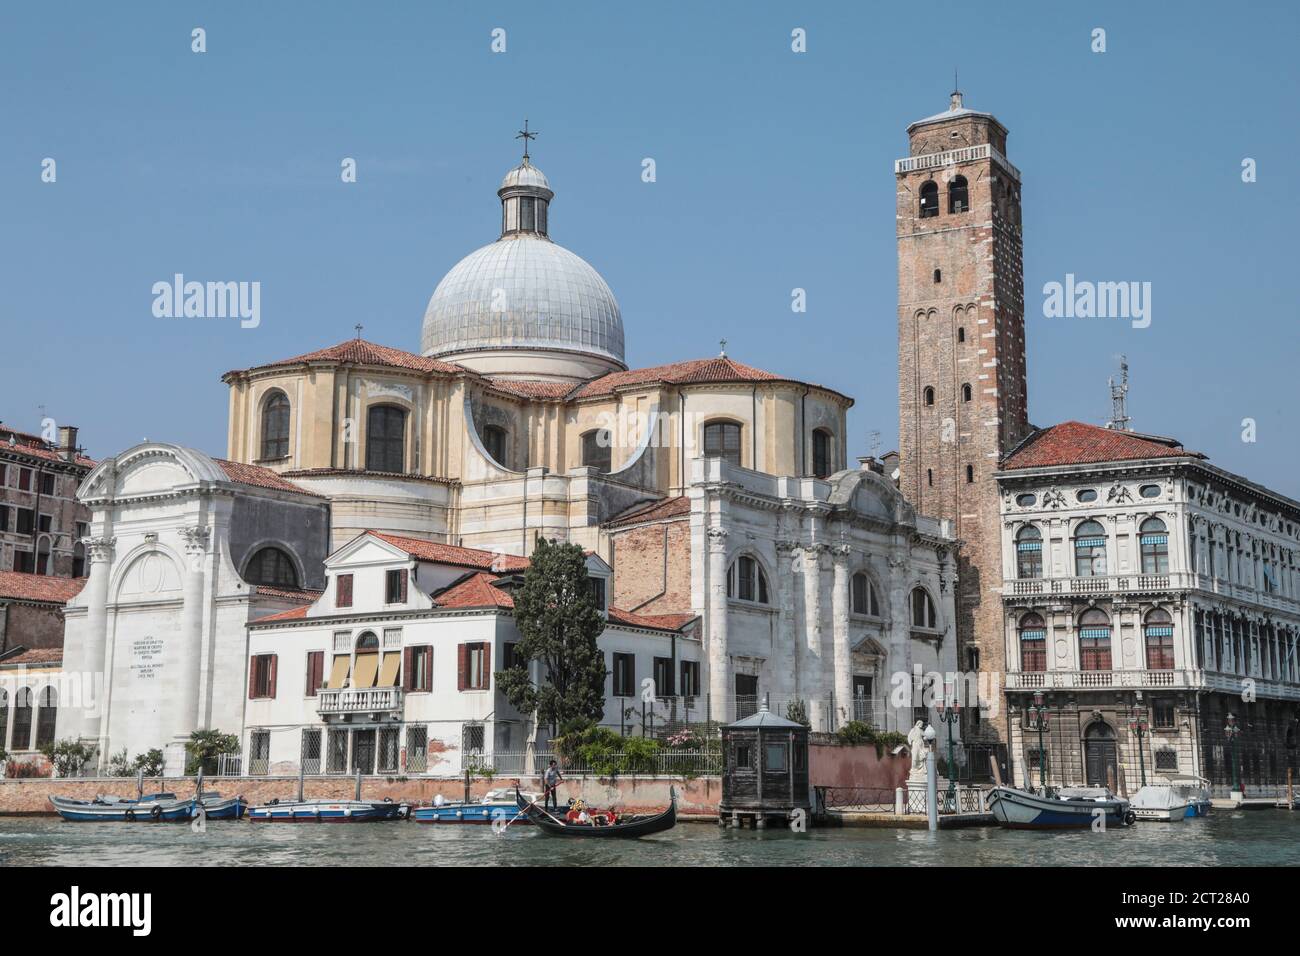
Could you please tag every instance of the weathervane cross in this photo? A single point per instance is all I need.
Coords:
(525, 136)
(358, 327)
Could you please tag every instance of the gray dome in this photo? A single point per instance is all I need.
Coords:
(525, 174)
(523, 291)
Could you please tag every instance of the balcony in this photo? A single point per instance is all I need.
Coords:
(1105, 680)
(365, 700)
(1106, 584)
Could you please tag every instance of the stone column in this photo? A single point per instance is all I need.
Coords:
(93, 663)
(189, 655)
(810, 667)
(785, 663)
(719, 686)
(843, 676)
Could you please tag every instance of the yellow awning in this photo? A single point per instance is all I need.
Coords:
(364, 675)
(388, 670)
(340, 671)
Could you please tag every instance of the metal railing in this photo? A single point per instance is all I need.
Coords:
(882, 800)
(860, 799)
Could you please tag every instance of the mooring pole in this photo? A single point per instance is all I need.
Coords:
(358, 783)
(932, 791)
(139, 784)
(302, 768)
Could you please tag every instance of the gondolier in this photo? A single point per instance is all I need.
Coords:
(550, 783)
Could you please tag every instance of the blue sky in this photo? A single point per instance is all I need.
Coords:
(774, 172)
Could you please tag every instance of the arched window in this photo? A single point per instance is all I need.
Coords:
(927, 396)
(1033, 644)
(747, 581)
(1155, 546)
(494, 442)
(386, 439)
(1029, 552)
(929, 477)
(966, 392)
(275, 426)
(970, 474)
(929, 199)
(47, 714)
(961, 333)
(366, 669)
(822, 463)
(1094, 640)
(722, 440)
(958, 195)
(923, 615)
(865, 600)
(367, 643)
(1159, 632)
(1090, 550)
(938, 276)
(596, 449)
(272, 567)
(22, 739)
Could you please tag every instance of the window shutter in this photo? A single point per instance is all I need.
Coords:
(487, 666)
(408, 681)
(270, 680)
(462, 666)
(252, 677)
(402, 586)
(343, 597)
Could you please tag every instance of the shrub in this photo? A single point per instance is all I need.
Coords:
(68, 756)
(151, 762)
(27, 769)
(856, 732)
(797, 711)
(204, 747)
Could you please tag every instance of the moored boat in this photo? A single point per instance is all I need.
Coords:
(327, 811)
(1076, 808)
(493, 806)
(1161, 803)
(158, 808)
(1196, 790)
(626, 827)
(217, 807)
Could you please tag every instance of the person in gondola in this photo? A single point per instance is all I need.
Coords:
(551, 782)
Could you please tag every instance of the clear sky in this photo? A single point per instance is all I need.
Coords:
(774, 171)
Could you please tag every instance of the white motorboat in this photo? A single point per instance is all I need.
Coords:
(1160, 802)
(1196, 790)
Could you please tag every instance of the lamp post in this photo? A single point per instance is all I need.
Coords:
(931, 779)
(1137, 723)
(950, 713)
(1232, 731)
(1038, 709)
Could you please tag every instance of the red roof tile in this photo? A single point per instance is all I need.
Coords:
(34, 446)
(532, 389)
(1077, 443)
(39, 587)
(306, 595)
(655, 622)
(692, 372)
(361, 352)
(293, 614)
(675, 507)
(259, 477)
(35, 656)
(361, 473)
(475, 591)
(451, 554)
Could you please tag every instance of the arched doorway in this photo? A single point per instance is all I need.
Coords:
(1099, 756)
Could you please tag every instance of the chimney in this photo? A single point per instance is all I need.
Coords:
(68, 442)
(871, 463)
(890, 462)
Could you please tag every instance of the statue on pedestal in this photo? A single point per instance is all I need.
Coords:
(920, 752)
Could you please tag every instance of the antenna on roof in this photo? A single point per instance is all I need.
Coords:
(1119, 418)
(873, 443)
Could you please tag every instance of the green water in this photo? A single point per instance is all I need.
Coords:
(1230, 838)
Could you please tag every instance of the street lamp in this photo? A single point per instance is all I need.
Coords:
(1137, 723)
(1038, 710)
(1232, 732)
(950, 713)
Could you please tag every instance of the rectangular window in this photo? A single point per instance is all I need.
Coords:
(26, 520)
(396, 587)
(417, 749)
(315, 672)
(509, 658)
(311, 750)
(690, 678)
(663, 677)
(343, 590)
(24, 479)
(1167, 760)
(474, 666)
(624, 675)
(1163, 713)
(4, 518)
(417, 672)
(337, 755)
(743, 761)
(259, 753)
(47, 483)
(774, 758)
(388, 750)
(261, 676)
(1029, 559)
(472, 738)
(24, 562)
(598, 591)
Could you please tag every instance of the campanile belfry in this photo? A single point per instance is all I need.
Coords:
(962, 395)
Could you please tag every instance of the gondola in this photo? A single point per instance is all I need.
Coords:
(630, 828)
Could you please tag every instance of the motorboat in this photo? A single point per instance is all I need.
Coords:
(105, 808)
(1196, 790)
(1065, 808)
(1160, 802)
(495, 805)
(327, 811)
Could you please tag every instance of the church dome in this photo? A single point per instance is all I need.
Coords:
(524, 305)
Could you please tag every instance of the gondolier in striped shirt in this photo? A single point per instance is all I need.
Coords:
(551, 782)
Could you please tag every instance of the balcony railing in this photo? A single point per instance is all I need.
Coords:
(355, 700)
(952, 157)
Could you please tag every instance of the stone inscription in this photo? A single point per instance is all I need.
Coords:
(146, 657)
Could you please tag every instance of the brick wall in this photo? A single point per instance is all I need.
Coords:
(30, 625)
(652, 567)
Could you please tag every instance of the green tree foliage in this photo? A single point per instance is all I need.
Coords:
(558, 621)
(68, 756)
(205, 746)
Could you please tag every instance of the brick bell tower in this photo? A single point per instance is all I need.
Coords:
(962, 396)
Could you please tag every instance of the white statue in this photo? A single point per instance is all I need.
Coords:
(920, 753)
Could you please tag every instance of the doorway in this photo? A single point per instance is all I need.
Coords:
(746, 695)
(363, 751)
(1099, 757)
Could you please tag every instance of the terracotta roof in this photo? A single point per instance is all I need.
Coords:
(306, 595)
(655, 622)
(293, 614)
(675, 507)
(451, 554)
(39, 587)
(37, 655)
(259, 477)
(532, 389)
(1077, 443)
(361, 352)
(473, 591)
(361, 473)
(34, 446)
(692, 372)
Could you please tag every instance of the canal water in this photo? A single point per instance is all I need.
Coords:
(1228, 838)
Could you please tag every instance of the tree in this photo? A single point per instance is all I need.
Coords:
(68, 756)
(205, 746)
(559, 622)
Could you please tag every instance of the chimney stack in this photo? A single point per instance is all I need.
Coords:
(68, 442)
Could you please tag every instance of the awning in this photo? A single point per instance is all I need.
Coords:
(339, 673)
(364, 675)
(388, 670)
